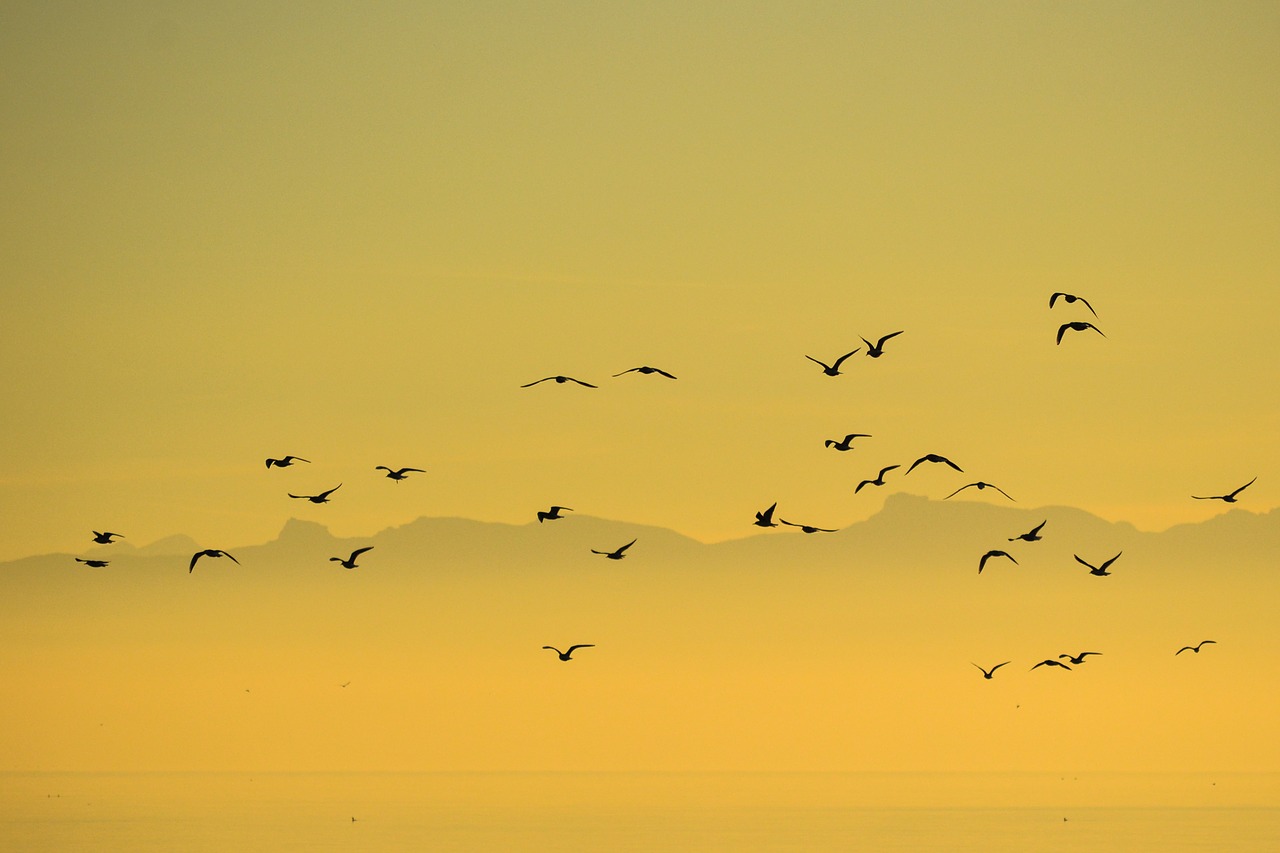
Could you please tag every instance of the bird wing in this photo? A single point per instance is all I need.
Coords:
(947, 461)
(1091, 566)
(594, 551)
(1039, 526)
(957, 491)
(1183, 649)
(1062, 330)
(580, 382)
(664, 373)
(840, 360)
(1242, 488)
(229, 557)
(1095, 328)
(790, 524)
(1001, 491)
(554, 649)
(767, 515)
(858, 488)
(997, 666)
(880, 343)
(572, 648)
(1054, 298)
(632, 370)
(824, 365)
(1103, 567)
(331, 491)
(357, 552)
(884, 471)
(1087, 305)
(197, 555)
(536, 381)
(625, 547)
(982, 563)
(1208, 642)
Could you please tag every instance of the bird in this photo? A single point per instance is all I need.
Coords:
(344, 684)
(322, 498)
(615, 555)
(987, 673)
(1076, 327)
(1069, 298)
(877, 349)
(209, 552)
(350, 562)
(843, 444)
(832, 369)
(94, 564)
(1048, 662)
(1195, 648)
(807, 528)
(553, 513)
(1100, 571)
(568, 655)
(1032, 535)
(104, 538)
(878, 481)
(979, 486)
(1230, 497)
(933, 457)
(646, 370)
(987, 556)
(560, 380)
(285, 462)
(1078, 659)
(400, 473)
(765, 519)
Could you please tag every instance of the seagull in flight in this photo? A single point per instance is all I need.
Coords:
(1100, 571)
(1230, 497)
(568, 655)
(1069, 298)
(979, 486)
(1078, 659)
(615, 555)
(104, 538)
(322, 498)
(933, 457)
(400, 473)
(877, 349)
(832, 369)
(350, 562)
(285, 462)
(646, 370)
(843, 444)
(560, 380)
(1076, 327)
(209, 552)
(553, 513)
(987, 673)
(878, 481)
(987, 556)
(765, 519)
(1047, 662)
(94, 564)
(1032, 535)
(1195, 648)
(807, 528)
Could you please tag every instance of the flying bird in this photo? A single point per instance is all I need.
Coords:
(987, 673)
(877, 349)
(615, 555)
(1076, 327)
(285, 462)
(322, 498)
(1032, 535)
(1047, 662)
(1230, 497)
(209, 552)
(94, 564)
(104, 538)
(559, 380)
(553, 513)
(568, 655)
(400, 473)
(350, 562)
(979, 486)
(646, 370)
(843, 444)
(1078, 659)
(987, 556)
(1100, 571)
(765, 519)
(878, 481)
(832, 369)
(807, 528)
(1069, 298)
(1195, 648)
(933, 457)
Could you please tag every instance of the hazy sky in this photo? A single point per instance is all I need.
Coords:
(350, 233)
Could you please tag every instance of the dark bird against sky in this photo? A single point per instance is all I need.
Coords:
(1195, 648)
(987, 556)
(559, 380)
(1230, 497)
(399, 473)
(209, 552)
(105, 538)
(987, 673)
(350, 562)
(1032, 535)
(1069, 298)
(878, 481)
(832, 369)
(844, 443)
(765, 519)
(94, 564)
(568, 655)
(322, 498)
(615, 555)
(807, 528)
(979, 486)
(1100, 571)
(553, 513)
(646, 370)
(285, 462)
(1078, 659)
(933, 457)
(1052, 663)
(1077, 326)
(877, 349)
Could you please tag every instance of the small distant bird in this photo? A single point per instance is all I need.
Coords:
(105, 537)
(807, 528)
(1076, 327)
(553, 513)
(1069, 298)
(877, 349)
(1078, 659)
(878, 481)
(832, 369)
(94, 564)
(1230, 497)
(209, 552)
(350, 562)
(559, 380)
(344, 684)
(1100, 571)
(987, 673)
(646, 370)
(568, 655)
(765, 519)
(979, 486)
(615, 555)
(1032, 535)
(400, 473)
(843, 444)
(285, 462)
(987, 556)
(322, 498)
(1195, 648)
(1052, 663)
(933, 457)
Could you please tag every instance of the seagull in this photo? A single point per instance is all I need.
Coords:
(1078, 659)
(1076, 327)
(843, 444)
(615, 555)
(553, 513)
(806, 527)
(350, 562)
(877, 349)
(105, 537)
(94, 564)
(1228, 498)
(1069, 298)
(286, 461)
(1100, 571)
(209, 552)
(560, 380)
(398, 474)
(765, 519)
(987, 556)
(1032, 535)
(1052, 663)
(322, 498)
(979, 486)
(646, 370)
(569, 654)
(987, 673)
(878, 481)
(933, 457)
(1195, 648)
(832, 369)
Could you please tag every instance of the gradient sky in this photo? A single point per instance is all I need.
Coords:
(240, 230)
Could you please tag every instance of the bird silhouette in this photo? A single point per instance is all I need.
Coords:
(933, 457)
(987, 556)
(979, 486)
(877, 481)
(1100, 571)
(1078, 659)
(1195, 648)
(1076, 327)
(1230, 497)
(1069, 298)
(285, 462)
(322, 498)
(877, 349)
(1047, 662)
(843, 444)
(807, 528)
(987, 673)
(765, 519)
(350, 562)
(94, 564)
(615, 555)
(832, 369)
(1032, 535)
(553, 513)
(559, 380)
(646, 370)
(568, 655)
(105, 538)
(400, 473)
(209, 552)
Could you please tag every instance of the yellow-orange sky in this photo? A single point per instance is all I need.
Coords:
(352, 233)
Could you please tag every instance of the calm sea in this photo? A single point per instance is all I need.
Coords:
(460, 812)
